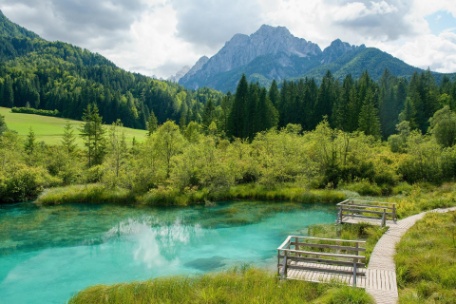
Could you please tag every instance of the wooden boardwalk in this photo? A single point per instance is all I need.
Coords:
(327, 274)
(381, 271)
(380, 275)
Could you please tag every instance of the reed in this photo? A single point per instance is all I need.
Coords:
(239, 285)
(87, 194)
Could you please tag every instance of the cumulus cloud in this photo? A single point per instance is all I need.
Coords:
(158, 37)
(209, 23)
(374, 19)
(100, 24)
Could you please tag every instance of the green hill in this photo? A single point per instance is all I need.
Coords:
(57, 75)
(50, 129)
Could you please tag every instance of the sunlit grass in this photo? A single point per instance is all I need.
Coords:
(426, 261)
(50, 129)
(239, 285)
(86, 194)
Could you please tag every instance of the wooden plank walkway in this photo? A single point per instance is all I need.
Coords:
(380, 275)
(381, 271)
(325, 276)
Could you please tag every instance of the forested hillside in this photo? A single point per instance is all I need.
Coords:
(372, 107)
(59, 76)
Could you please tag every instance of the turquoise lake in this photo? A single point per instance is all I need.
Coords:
(49, 254)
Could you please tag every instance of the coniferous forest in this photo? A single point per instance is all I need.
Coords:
(365, 135)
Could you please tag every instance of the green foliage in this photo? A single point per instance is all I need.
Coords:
(443, 126)
(24, 183)
(25, 110)
(3, 126)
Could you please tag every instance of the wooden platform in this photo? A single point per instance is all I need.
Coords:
(380, 275)
(325, 276)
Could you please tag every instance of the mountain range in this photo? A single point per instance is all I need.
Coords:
(274, 53)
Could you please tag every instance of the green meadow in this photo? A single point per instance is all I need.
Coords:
(50, 129)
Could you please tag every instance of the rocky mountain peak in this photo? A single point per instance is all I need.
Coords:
(243, 49)
(336, 49)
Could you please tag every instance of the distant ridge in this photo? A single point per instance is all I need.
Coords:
(10, 29)
(274, 53)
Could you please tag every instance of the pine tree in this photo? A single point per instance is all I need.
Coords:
(30, 142)
(152, 123)
(369, 122)
(208, 114)
(93, 134)
(238, 111)
(69, 139)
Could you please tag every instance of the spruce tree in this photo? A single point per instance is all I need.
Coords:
(69, 139)
(238, 111)
(152, 123)
(93, 132)
(369, 122)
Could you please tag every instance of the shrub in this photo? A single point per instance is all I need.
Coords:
(25, 110)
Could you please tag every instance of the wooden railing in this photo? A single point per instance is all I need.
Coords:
(368, 210)
(316, 254)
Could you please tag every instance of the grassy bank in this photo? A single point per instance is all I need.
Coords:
(162, 196)
(234, 286)
(85, 194)
(426, 261)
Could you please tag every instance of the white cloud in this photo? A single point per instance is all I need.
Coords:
(158, 37)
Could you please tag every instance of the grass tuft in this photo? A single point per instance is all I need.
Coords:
(238, 285)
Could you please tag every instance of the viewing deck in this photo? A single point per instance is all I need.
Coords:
(339, 261)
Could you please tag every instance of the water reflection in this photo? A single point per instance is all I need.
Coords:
(47, 254)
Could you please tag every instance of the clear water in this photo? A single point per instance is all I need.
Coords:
(49, 254)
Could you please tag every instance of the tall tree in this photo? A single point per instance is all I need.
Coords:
(3, 126)
(93, 133)
(238, 111)
(169, 142)
(30, 142)
(369, 122)
(152, 123)
(266, 114)
(327, 95)
(208, 114)
(69, 139)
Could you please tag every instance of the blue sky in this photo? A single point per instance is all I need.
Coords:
(159, 37)
(441, 21)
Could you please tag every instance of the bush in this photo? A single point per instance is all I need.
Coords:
(25, 183)
(24, 110)
(364, 187)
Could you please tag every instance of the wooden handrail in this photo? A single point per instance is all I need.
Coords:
(289, 258)
(386, 210)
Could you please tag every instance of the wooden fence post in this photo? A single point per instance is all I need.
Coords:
(340, 214)
(384, 218)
